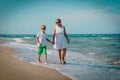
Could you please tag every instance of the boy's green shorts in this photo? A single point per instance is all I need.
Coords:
(42, 50)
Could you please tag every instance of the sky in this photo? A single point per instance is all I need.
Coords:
(78, 16)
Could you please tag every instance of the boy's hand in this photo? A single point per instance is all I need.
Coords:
(40, 44)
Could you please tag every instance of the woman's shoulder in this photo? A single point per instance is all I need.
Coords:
(63, 26)
(45, 33)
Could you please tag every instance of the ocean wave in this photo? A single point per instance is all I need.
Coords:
(114, 62)
(28, 37)
(19, 40)
(107, 38)
(91, 53)
(29, 46)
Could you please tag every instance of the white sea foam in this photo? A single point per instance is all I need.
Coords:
(28, 37)
(35, 63)
(19, 40)
(92, 53)
(28, 46)
(115, 62)
(107, 38)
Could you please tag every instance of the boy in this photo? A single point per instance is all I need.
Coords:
(42, 43)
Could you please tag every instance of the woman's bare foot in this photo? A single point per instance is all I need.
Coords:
(63, 62)
(59, 62)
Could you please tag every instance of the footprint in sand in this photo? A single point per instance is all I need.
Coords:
(1, 52)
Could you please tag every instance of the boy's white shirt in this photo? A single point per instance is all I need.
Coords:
(42, 38)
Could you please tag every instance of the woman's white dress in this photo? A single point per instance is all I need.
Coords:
(60, 40)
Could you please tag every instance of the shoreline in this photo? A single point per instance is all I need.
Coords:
(13, 68)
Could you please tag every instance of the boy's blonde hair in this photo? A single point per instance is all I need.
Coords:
(43, 26)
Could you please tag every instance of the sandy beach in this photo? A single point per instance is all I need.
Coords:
(12, 68)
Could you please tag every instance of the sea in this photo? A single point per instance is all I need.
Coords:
(89, 56)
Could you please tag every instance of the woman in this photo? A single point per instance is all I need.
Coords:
(60, 40)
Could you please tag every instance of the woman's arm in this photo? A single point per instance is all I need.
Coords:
(54, 32)
(66, 35)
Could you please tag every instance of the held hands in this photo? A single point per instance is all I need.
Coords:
(53, 42)
(50, 41)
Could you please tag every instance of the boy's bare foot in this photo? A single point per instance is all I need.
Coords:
(38, 61)
(46, 63)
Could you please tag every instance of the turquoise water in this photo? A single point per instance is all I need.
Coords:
(89, 56)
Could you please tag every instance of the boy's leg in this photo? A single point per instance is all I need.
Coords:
(39, 54)
(45, 58)
(38, 60)
(45, 54)
(59, 56)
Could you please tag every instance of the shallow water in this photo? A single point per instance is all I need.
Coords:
(89, 57)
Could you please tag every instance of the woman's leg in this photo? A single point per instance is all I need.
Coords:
(63, 55)
(59, 56)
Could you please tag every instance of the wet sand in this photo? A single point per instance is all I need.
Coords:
(11, 68)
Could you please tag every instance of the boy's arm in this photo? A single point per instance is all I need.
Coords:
(37, 39)
(48, 40)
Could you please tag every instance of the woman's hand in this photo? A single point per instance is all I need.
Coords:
(68, 41)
